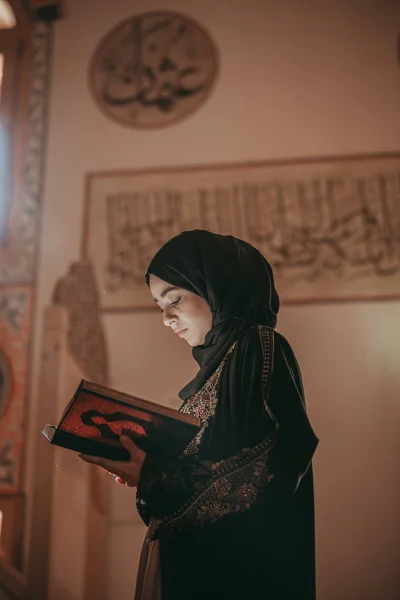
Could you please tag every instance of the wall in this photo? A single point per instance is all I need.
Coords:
(297, 79)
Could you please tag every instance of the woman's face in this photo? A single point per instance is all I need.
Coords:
(188, 315)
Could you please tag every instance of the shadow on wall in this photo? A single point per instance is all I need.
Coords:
(349, 355)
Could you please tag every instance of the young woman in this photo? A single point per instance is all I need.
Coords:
(233, 517)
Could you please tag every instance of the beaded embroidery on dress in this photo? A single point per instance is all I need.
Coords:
(230, 485)
(203, 404)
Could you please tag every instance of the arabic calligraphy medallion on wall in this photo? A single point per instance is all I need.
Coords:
(153, 70)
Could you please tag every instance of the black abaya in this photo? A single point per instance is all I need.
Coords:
(234, 516)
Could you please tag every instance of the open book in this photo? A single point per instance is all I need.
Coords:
(97, 416)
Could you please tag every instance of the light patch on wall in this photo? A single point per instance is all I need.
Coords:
(386, 350)
(7, 17)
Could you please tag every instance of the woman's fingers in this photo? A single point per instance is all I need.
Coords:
(129, 444)
(108, 465)
(125, 472)
(94, 460)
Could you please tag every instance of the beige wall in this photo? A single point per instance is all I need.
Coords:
(297, 79)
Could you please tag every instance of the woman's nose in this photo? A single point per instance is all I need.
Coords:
(168, 317)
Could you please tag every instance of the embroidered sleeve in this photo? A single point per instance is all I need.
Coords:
(179, 495)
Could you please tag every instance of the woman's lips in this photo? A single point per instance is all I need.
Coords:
(181, 332)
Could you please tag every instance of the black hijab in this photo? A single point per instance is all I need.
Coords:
(235, 280)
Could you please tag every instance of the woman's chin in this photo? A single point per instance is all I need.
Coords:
(195, 343)
(192, 341)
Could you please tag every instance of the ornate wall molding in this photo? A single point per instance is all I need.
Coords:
(19, 260)
(77, 291)
(15, 335)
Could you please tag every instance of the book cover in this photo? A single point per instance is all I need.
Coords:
(97, 416)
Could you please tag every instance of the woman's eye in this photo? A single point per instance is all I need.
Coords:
(176, 302)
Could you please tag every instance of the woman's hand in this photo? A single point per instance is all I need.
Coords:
(125, 472)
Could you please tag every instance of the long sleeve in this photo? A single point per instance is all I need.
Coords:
(230, 470)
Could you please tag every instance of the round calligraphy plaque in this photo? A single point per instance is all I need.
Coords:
(153, 69)
(5, 382)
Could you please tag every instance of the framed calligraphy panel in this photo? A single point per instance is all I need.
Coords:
(153, 69)
(329, 227)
